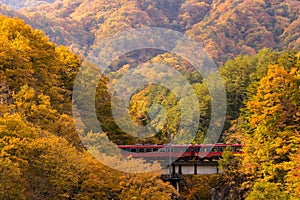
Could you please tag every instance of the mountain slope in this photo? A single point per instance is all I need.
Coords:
(226, 28)
(244, 26)
(18, 4)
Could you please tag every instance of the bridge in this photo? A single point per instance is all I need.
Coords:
(192, 168)
(181, 159)
(174, 173)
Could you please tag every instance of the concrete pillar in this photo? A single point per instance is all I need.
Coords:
(180, 169)
(173, 169)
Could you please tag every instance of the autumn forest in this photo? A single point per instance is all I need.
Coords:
(44, 45)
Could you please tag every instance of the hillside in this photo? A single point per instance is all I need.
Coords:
(50, 139)
(17, 4)
(41, 156)
(225, 28)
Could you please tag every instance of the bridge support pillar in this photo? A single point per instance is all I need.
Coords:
(180, 169)
(173, 169)
(174, 179)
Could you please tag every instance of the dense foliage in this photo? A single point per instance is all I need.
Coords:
(263, 113)
(255, 43)
(17, 4)
(246, 27)
(41, 156)
(268, 126)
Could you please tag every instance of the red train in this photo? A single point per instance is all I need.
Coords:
(178, 152)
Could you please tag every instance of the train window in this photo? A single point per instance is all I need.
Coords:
(141, 150)
(187, 149)
(133, 150)
(155, 149)
(179, 149)
(206, 149)
(148, 150)
(221, 149)
(215, 149)
(162, 150)
(197, 149)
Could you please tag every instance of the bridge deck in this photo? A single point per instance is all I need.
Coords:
(192, 168)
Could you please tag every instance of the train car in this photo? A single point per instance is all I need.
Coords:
(178, 152)
(213, 151)
(156, 151)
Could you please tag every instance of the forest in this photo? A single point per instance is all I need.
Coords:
(44, 44)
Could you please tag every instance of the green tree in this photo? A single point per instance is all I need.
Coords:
(273, 136)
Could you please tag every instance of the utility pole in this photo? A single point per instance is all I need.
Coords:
(170, 156)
